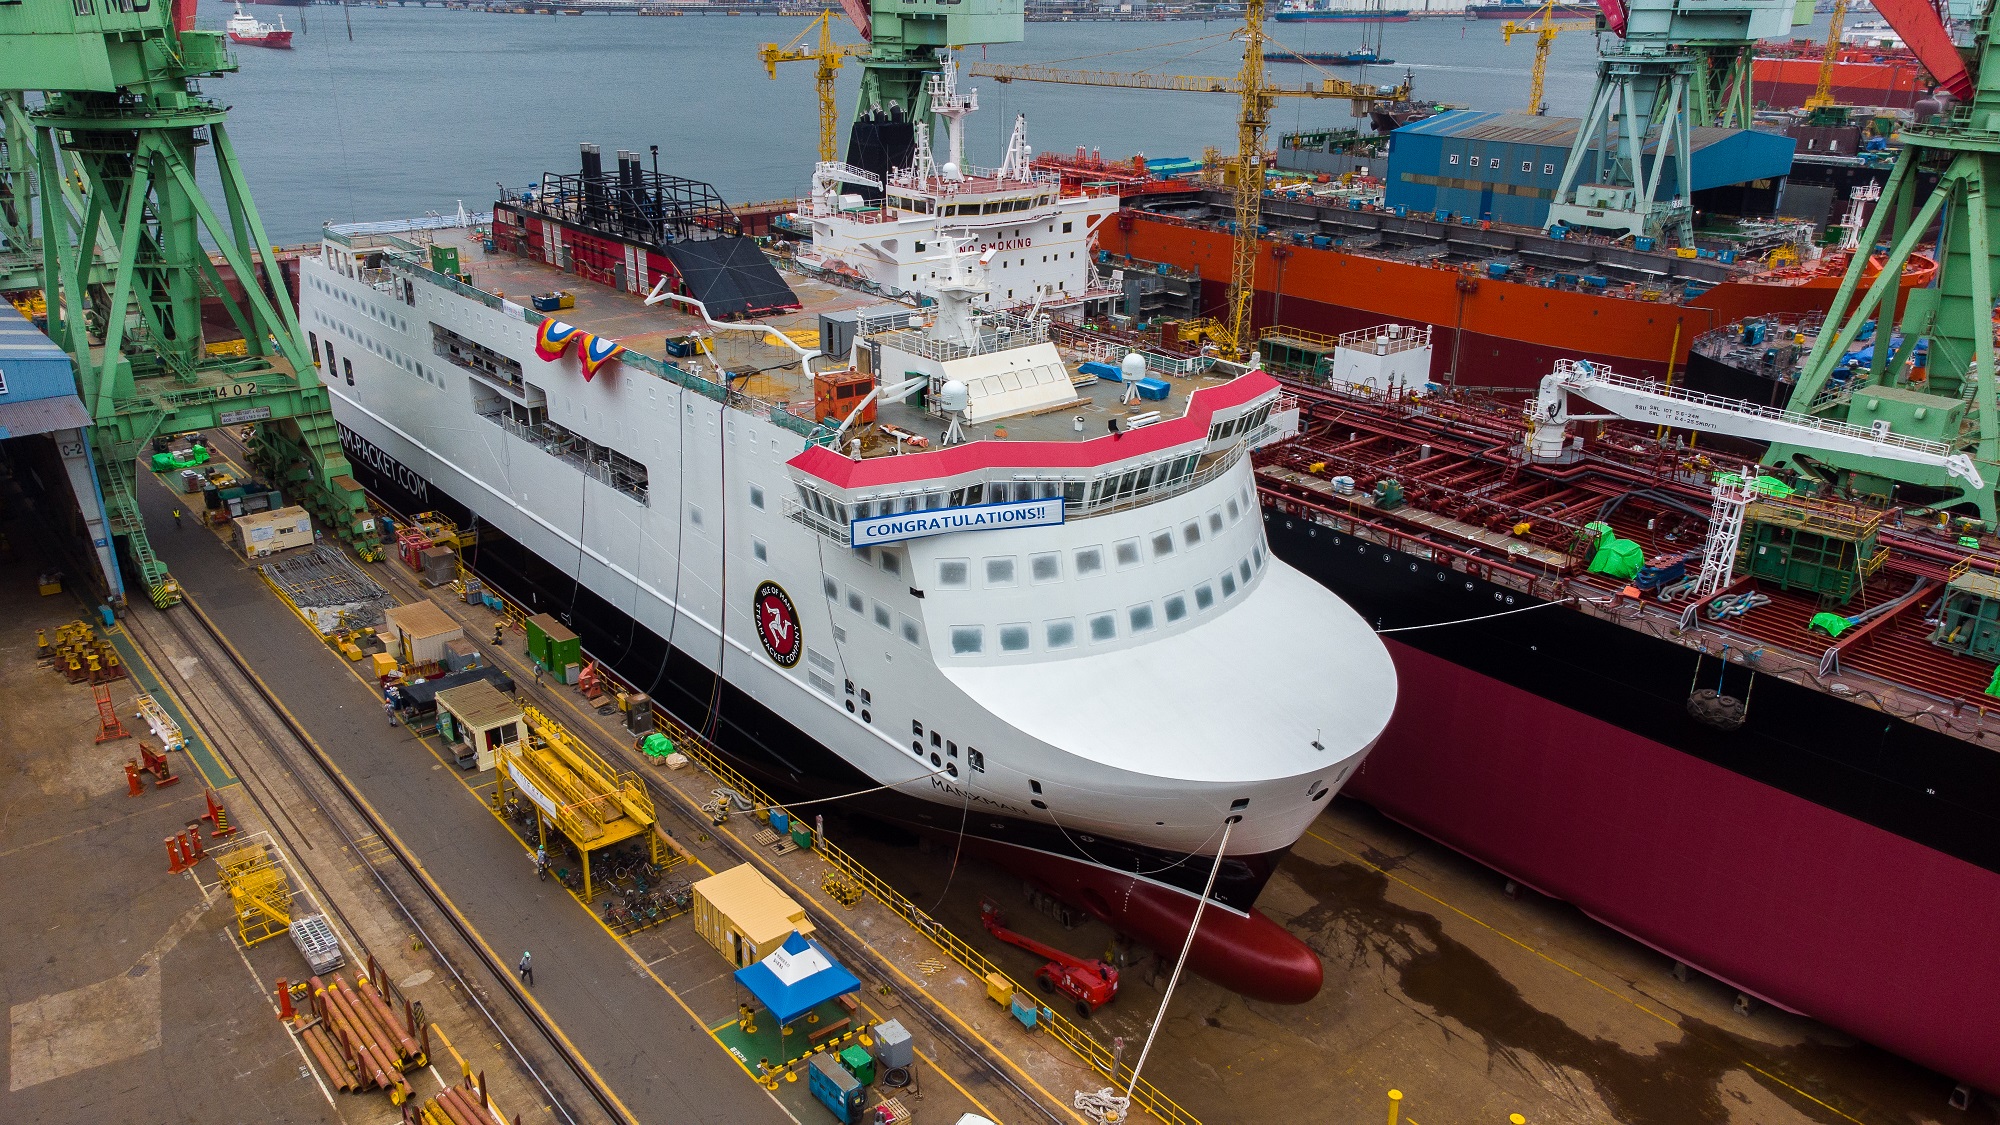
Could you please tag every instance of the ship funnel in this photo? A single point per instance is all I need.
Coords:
(593, 163)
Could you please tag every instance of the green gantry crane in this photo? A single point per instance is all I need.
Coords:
(1950, 397)
(115, 137)
(905, 37)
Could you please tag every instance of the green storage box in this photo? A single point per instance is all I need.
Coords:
(802, 835)
(860, 1064)
(552, 645)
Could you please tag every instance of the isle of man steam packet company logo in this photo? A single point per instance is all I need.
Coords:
(778, 624)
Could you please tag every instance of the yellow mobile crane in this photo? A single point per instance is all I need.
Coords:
(1822, 95)
(1258, 97)
(1544, 27)
(829, 55)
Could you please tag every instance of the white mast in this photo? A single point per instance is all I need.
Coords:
(947, 102)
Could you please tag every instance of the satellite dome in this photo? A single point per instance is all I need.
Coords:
(953, 396)
(949, 170)
(1133, 367)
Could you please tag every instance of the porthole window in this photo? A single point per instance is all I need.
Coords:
(1176, 607)
(1000, 571)
(1127, 551)
(1141, 617)
(1228, 584)
(1204, 596)
(1163, 544)
(1191, 534)
(1103, 627)
(1046, 567)
(951, 572)
(1089, 561)
(1014, 638)
(967, 640)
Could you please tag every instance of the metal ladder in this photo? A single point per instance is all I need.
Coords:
(125, 519)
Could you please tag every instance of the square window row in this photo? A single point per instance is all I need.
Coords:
(898, 623)
(1061, 633)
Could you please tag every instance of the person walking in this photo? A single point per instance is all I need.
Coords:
(177, 518)
(527, 968)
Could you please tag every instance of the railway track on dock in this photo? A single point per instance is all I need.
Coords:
(266, 771)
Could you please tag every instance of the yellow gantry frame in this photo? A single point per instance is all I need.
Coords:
(595, 805)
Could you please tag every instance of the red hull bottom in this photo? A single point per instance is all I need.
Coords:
(1781, 898)
(1251, 955)
(278, 39)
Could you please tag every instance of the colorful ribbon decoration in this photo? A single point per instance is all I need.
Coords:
(596, 352)
(554, 337)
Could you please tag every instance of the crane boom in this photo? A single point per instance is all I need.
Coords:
(1186, 83)
(1822, 94)
(1544, 27)
(1640, 400)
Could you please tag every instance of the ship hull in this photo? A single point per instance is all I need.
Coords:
(1528, 11)
(1824, 857)
(1490, 333)
(1238, 948)
(281, 40)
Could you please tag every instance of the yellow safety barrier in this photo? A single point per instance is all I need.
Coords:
(1097, 1056)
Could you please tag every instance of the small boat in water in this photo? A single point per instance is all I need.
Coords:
(250, 31)
(1324, 11)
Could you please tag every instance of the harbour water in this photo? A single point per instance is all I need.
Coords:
(426, 106)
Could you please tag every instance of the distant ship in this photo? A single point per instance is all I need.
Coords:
(1521, 11)
(1322, 11)
(1360, 56)
(250, 31)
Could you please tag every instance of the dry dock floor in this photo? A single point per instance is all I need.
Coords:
(1475, 1001)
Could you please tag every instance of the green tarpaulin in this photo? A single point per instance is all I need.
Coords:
(1832, 624)
(656, 745)
(163, 462)
(1619, 558)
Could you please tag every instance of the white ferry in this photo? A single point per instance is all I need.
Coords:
(1039, 608)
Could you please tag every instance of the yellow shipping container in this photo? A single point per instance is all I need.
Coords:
(745, 916)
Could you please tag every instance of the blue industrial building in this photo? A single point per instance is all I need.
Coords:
(45, 441)
(1504, 167)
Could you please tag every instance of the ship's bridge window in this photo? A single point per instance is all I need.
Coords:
(1089, 561)
(1215, 521)
(1046, 567)
(1163, 544)
(1127, 552)
(1141, 617)
(1204, 596)
(892, 563)
(1191, 533)
(967, 640)
(1176, 606)
(1000, 571)
(1103, 627)
(1235, 513)
(951, 572)
(1014, 638)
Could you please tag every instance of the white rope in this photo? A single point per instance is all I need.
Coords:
(1485, 617)
(1120, 1106)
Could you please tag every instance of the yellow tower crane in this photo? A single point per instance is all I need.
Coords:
(1247, 166)
(829, 55)
(1544, 27)
(1822, 95)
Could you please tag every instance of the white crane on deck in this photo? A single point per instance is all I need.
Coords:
(1641, 400)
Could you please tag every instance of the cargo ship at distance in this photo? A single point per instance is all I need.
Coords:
(1102, 686)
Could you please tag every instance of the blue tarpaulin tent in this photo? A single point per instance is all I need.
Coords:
(795, 978)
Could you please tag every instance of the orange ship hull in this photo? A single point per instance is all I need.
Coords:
(1497, 334)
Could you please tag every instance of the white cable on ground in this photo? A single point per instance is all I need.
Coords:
(1122, 1106)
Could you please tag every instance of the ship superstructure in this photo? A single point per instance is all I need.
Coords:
(883, 232)
(1039, 607)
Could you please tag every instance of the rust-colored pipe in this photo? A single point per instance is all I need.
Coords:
(336, 1074)
(371, 1059)
(456, 1106)
(386, 1016)
(380, 1037)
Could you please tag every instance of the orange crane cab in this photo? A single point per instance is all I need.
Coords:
(1092, 984)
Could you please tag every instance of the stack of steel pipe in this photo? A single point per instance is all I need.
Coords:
(465, 1104)
(367, 1040)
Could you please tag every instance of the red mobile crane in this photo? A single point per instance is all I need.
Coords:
(1092, 984)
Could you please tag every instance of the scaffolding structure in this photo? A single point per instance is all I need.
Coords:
(259, 890)
(634, 204)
